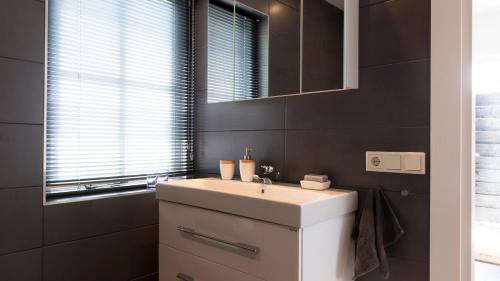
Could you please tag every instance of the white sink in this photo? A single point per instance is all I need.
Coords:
(282, 204)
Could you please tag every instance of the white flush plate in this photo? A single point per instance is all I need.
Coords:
(395, 162)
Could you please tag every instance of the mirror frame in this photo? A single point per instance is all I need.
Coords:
(351, 44)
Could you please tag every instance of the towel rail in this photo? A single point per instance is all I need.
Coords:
(404, 192)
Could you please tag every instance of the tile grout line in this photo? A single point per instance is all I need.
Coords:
(22, 60)
(17, 187)
(408, 61)
(20, 251)
(101, 235)
(145, 276)
(20, 123)
(316, 128)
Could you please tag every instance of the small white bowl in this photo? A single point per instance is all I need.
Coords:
(315, 185)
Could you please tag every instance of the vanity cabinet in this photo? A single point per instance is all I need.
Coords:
(181, 266)
(201, 244)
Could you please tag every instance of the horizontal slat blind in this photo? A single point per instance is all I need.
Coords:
(235, 70)
(119, 95)
(488, 157)
(247, 70)
(220, 76)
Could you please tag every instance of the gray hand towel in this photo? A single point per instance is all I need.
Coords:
(377, 228)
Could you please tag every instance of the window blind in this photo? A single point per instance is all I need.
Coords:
(119, 91)
(237, 54)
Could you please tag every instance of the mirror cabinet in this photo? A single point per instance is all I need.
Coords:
(264, 48)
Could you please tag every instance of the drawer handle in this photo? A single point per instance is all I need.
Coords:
(245, 247)
(184, 277)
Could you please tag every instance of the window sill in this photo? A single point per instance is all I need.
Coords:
(62, 198)
(486, 246)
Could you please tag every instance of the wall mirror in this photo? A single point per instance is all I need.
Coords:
(265, 48)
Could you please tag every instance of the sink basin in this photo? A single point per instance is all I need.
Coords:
(282, 204)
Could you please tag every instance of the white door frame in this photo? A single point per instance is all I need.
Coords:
(451, 141)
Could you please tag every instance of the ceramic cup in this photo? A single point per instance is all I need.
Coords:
(227, 169)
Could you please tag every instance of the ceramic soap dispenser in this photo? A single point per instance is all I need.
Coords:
(247, 166)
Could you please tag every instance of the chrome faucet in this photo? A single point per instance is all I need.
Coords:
(269, 171)
(264, 180)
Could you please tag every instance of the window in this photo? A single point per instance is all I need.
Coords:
(237, 53)
(486, 88)
(119, 94)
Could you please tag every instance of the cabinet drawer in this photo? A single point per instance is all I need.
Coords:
(261, 249)
(179, 266)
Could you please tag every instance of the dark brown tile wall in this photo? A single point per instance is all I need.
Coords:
(125, 255)
(105, 239)
(330, 132)
(22, 266)
(22, 30)
(396, 31)
(21, 147)
(263, 114)
(21, 84)
(20, 219)
(395, 95)
(212, 146)
(21, 139)
(77, 220)
(402, 270)
(340, 153)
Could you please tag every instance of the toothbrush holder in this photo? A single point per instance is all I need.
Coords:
(227, 169)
